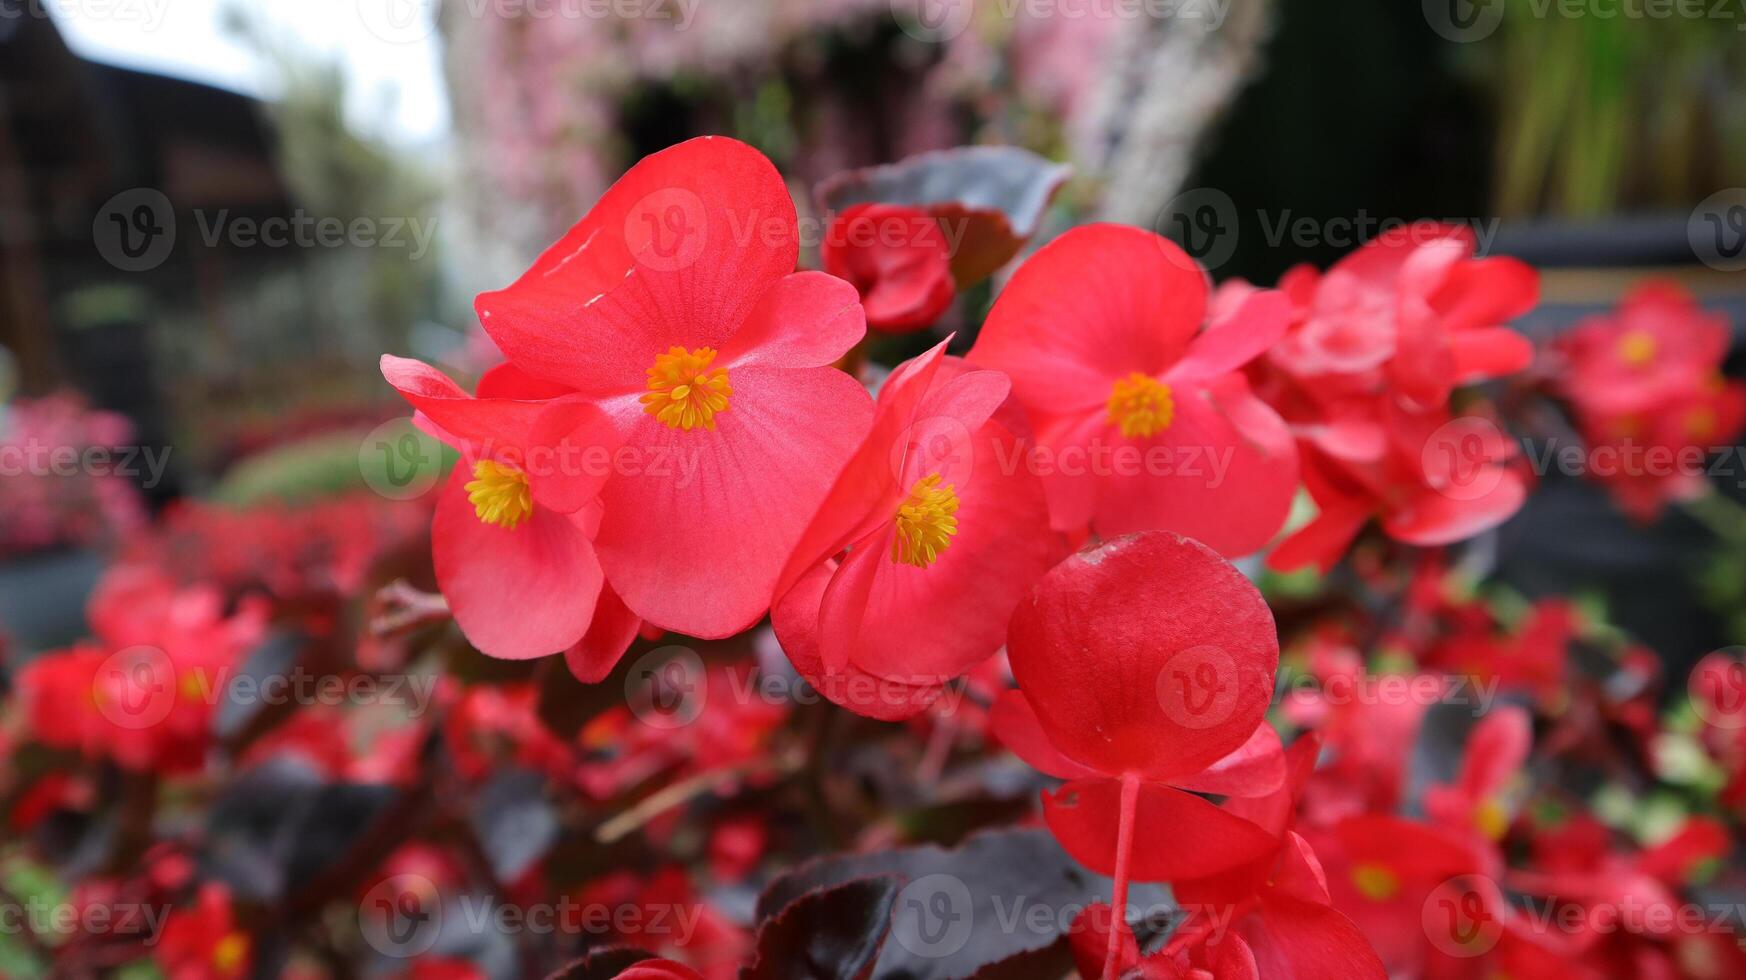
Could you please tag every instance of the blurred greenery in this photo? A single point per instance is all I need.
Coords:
(307, 470)
(1599, 114)
(31, 885)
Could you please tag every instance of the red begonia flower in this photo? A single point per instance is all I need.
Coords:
(1364, 768)
(1440, 479)
(1143, 420)
(1648, 394)
(146, 694)
(1270, 916)
(1413, 311)
(675, 308)
(1108, 652)
(1657, 346)
(1363, 379)
(511, 538)
(489, 724)
(1142, 664)
(611, 632)
(54, 698)
(910, 571)
(433, 968)
(1637, 890)
(1400, 321)
(1090, 938)
(897, 258)
(623, 750)
(1382, 870)
(1479, 799)
(1534, 658)
(1305, 940)
(1698, 844)
(205, 942)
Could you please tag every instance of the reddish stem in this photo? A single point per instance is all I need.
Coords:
(1118, 927)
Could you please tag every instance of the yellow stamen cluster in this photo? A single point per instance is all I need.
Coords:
(1492, 818)
(1701, 423)
(684, 392)
(925, 522)
(1375, 882)
(1141, 406)
(499, 494)
(1637, 348)
(229, 953)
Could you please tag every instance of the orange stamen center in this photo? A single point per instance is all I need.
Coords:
(1375, 882)
(684, 392)
(1637, 348)
(1141, 406)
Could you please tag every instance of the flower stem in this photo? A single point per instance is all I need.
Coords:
(1722, 517)
(1118, 926)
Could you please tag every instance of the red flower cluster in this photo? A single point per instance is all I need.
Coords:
(50, 495)
(667, 423)
(1645, 385)
(144, 693)
(668, 447)
(1364, 377)
(1393, 773)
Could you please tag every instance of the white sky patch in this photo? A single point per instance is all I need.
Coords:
(390, 52)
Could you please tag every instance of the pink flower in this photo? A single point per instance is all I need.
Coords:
(1411, 311)
(1143, 419)
(673, 307)
(512, 536)
(909, 572)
